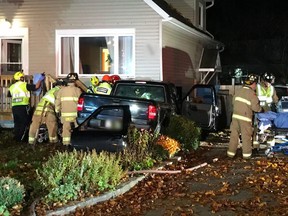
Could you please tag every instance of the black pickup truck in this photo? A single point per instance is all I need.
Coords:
(151, 103)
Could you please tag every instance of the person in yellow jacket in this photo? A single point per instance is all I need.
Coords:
(66, 107)
(94, 84)
(245, 103)
(266, 91)
(45, 114)
(20, 93)
(105, 86)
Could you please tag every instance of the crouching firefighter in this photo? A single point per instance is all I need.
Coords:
(66, 107)
(45, 114)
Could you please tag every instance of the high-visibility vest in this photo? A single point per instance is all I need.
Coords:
(103, 88)
(20, 94)
(48, 98)
(265, 95)
(92, 89)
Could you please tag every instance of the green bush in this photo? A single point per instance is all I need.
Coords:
(66, 174)
(139, 151)
(4, 211)
(12, 192)
(185, 131)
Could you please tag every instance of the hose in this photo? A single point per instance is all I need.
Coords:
(171, 171)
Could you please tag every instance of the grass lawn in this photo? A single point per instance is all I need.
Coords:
(19, 161)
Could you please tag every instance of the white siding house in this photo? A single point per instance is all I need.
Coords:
(138, 39)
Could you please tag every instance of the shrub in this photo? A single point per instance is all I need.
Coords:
(66, 174)
(185, 131)
(138, 153)
(12, 192)
(170, 145)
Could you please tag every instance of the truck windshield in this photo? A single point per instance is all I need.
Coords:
(149, 92)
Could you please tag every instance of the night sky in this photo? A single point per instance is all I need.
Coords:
(254, 33)
(247, 19)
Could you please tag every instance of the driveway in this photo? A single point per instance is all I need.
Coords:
(223, 187)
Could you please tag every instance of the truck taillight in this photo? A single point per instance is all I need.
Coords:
(152, 112)
(80, 104)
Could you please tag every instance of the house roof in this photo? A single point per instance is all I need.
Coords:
(172, 12)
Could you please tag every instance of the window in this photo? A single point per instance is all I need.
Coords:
(200, 15)
(95, 51)
(13, 51)
(150, 92)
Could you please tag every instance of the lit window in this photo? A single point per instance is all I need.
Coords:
(13, 50)
(11, 60)
(95, 51)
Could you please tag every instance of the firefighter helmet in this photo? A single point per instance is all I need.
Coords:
(72, 76)
(18, 75)
(268, 77)
(251, 78)
(115, 78)
(94, 80)
(106, 78)
(59, 82)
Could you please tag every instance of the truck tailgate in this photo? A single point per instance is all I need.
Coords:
(139, 108)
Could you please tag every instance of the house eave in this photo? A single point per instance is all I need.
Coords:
(189, 29)
(158, 9)
(168, 18)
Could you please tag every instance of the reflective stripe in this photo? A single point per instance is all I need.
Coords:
(241, 118)
(72, 114)
(243, 100)
(69, 99)
(66, 140)
(31, 139)
(231, 154)
(247, 156)
(53, 139)
(49, 98)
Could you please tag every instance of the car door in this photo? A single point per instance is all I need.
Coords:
(200, 106)
(104, 130)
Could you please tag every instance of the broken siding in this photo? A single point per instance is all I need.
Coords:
(181, 56)
(44, 17)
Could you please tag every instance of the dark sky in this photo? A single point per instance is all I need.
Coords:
(247, 19)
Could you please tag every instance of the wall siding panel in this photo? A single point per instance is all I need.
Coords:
(43, 17)
(181, 56)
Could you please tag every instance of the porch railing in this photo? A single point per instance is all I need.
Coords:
(5, 101)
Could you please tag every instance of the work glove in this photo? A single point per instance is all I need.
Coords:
(58, 114)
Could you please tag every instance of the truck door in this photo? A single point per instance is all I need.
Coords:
(200, 106)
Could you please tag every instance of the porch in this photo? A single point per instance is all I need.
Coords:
(6, 118)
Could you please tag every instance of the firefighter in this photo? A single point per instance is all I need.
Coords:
(245, 102)
(266, 91)
(94, 83)
(66, 107)
(104, 86)
(20, 93)
(45, 114)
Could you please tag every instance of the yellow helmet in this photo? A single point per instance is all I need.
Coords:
(94, 80)
(18, 75)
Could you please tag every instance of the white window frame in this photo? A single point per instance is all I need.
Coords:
(18, 33)
(200, 15)
(77, 33)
